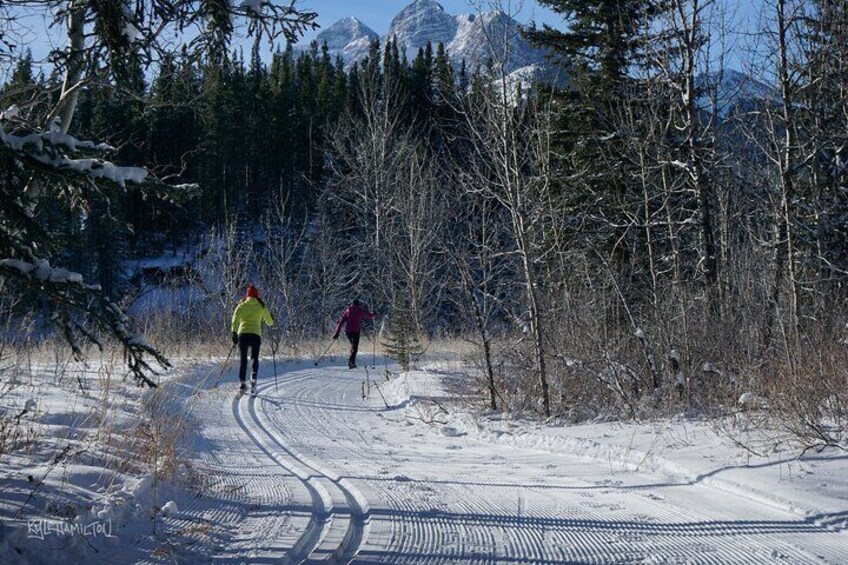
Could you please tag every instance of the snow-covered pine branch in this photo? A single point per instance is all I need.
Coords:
(50, 153)
(39, 166)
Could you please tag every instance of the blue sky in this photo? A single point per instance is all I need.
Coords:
(378, 14)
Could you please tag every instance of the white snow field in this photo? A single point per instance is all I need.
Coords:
(311, 472)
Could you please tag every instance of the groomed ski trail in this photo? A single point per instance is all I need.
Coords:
(340, 514)
(358, 483)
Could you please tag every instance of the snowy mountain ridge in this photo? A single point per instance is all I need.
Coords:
(479, 38)
(730, 90)
(472, 38)
(348, 38)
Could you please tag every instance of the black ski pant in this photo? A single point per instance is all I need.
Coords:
(251, 342)
(353, 337)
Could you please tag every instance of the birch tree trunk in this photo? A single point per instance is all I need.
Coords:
(784, 269)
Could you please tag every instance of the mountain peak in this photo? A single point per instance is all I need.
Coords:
(349, 38)
(419, 5)
(348, 27)
(731, 90)
(420, 22)
(467, 37)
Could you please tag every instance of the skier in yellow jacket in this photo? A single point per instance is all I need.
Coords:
(246, 326)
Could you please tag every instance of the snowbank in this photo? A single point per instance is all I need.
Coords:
(682, 450)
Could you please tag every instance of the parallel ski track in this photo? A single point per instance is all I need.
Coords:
(341, 520)
(425, 531)
(259, 494)
(245, 508)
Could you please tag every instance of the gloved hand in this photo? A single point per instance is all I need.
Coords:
(335, 336)
(235, 338)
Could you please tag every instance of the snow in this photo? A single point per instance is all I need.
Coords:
(751, 400)
(710, 368)
(131, 32)
(491, 35)
(42, 271)
(253, 5)
(465, 36)
(310, 471)
(106, 170)
(420, 22)
(68, 502)
(11, 112)
(348, 38)
(33, 144)
(731, 90)
(170, 509)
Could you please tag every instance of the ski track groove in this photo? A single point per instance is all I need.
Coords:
(426, 535)
(359, 513)
(321, 522)
(434, 534)
(240, 509)
(255, 480)
(310, 445)
(305, 423)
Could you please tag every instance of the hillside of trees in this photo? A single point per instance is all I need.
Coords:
(626, 245)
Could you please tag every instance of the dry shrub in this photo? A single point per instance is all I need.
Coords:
(16, 434)
(624, 351)
(806, 395)
(158, 437)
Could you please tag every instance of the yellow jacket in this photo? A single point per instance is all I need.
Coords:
(248, 317)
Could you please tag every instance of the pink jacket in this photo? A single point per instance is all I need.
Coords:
(353, 316)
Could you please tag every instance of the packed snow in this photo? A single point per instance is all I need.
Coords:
(378, 466)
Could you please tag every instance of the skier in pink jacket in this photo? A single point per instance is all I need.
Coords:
(352, 320)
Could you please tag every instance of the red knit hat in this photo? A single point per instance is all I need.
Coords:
(252, 292)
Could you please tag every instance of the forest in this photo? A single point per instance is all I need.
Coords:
(631, 242)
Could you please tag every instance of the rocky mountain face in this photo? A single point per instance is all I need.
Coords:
(420, 22)
(732, 91)
(349, 38)
(479, 38)
(469, 37)
(497, 37)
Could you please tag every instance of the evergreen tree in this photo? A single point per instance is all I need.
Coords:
(258, 161)
(219, 142)
(445, 93)
(421, 83)
(402, 343)
(602, 43)
(173, 136)
(444, 78)
(826, 99)
(60, 167)
(283, 121)
(23, 90)
(602, 40)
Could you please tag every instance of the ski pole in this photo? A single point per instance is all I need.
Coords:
(373, 341)
(373, 346)
(323, 354)
(274, 345)
(224, 365)
(368, 379)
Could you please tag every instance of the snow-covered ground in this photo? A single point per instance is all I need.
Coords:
(310, 471)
